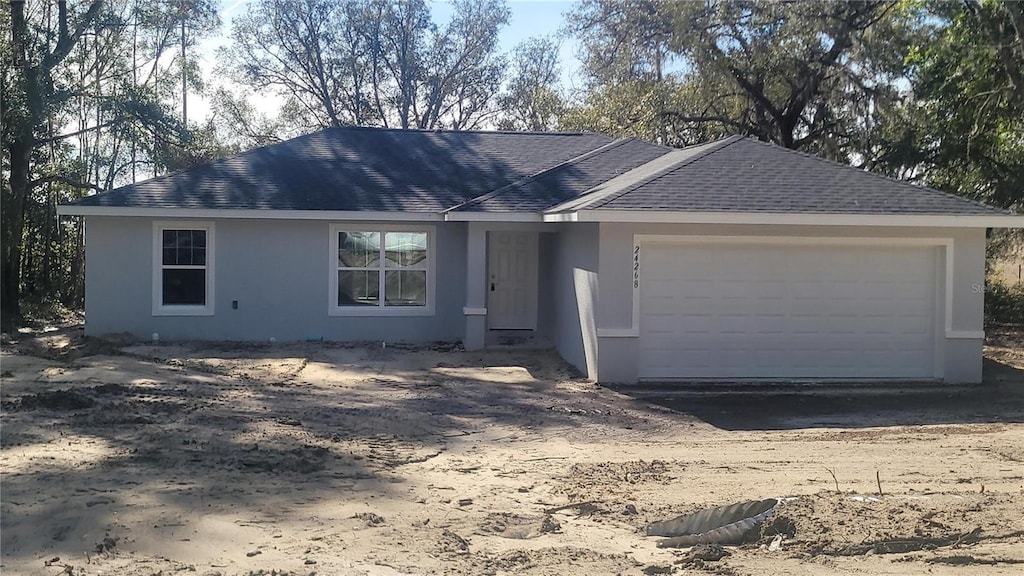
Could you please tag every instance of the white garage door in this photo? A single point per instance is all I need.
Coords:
(745, 311)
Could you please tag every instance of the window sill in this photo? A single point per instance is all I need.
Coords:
(183, 311)
(386, 311)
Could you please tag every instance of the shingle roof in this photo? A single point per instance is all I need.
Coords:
(741, 174)
(359, 169)
(568, 180)
(373, 169)
(629, 180)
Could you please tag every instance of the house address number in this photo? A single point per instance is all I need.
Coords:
(636, 266)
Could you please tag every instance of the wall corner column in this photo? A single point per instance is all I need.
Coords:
(475, 309)
(965, 307)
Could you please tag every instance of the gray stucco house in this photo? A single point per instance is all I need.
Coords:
(730, 260)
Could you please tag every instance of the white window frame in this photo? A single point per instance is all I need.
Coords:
(161, 309)
(333, 309)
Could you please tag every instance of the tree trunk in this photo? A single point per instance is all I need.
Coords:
(51, 219)
(78, 266)
(33, 82)
(13, 231)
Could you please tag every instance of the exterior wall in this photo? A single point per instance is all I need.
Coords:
(547, 285)
(959, 347)
(617, 342)
(475, 310)
(963, 355)
(576, 296)
(278, 272)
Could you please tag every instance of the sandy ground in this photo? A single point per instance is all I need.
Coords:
(125, 458)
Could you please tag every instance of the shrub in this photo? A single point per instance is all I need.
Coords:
(1004, 304)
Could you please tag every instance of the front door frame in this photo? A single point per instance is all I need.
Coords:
(528, 279)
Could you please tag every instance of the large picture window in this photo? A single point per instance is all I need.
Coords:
(182, 280)
(380, 270)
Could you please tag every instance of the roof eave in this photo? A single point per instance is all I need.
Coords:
(792, 219)
(464, 216)
(236, 213)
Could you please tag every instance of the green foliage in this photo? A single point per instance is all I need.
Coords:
(89, 100)
(625, 40)
(805, 75)
(963, 132)
(636, 108)
(1004, 304)
(928, 91)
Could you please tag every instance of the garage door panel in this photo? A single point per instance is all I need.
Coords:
(764, 311)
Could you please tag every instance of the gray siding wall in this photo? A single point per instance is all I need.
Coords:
(277, 270)
(575, 294)
(960, 354)
(547, 274)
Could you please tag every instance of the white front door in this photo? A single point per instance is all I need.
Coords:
(512, 281)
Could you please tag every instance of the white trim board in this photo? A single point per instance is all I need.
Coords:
(618, 333)
(792, 219)
(639, 216)
(493, 217)
(965, 334)
(235, 213)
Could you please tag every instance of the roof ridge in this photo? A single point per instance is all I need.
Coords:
(454, 131)
(899, 181)
(527, 179)
(589, 202)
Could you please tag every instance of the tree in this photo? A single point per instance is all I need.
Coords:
(624, 40)
(464, 68)
(639, 109)
(805, 75)
(75, 100)
(28, 98)
(372, 62)
(1001, 22)
(531, 100)
(294, 47)
(239, 125)
(962, 130)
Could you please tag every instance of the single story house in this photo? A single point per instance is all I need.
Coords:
(731, 260)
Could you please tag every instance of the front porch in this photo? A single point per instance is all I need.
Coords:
(516, 339)
(508, 277)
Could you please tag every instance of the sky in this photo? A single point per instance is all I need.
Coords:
(529, 18)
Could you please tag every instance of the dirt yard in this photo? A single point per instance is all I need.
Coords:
(127, 458)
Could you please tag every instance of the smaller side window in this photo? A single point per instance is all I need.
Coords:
(184, 268)
(182, 282)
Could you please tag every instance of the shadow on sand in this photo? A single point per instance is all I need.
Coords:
(788, 406)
